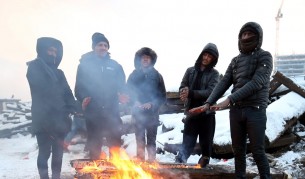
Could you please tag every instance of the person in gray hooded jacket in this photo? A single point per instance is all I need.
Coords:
(196, 86)
(249, 73)
(147, 94)
(52, 102)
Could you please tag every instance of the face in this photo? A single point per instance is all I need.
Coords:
(101, 49)
(206, 59)
(51, 55)
(145, 61)
(52, 51)
(247, 34)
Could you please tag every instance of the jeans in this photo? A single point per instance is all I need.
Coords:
(202, 126)
(78, 124)
(249, 122)
(46, 145)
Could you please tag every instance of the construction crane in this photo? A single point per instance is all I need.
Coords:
(277, 19)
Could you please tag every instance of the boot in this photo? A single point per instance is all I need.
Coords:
(204, 161)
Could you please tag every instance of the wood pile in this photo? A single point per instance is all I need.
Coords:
(15, 117)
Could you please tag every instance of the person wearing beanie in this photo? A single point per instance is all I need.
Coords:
(100, 87)
(147, 95)
(196, 86)
(249, 73)
(52, 104)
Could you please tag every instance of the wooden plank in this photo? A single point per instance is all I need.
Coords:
(289, 83)
(274, 84)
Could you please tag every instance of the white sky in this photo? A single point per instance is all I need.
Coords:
(176, 29)
(19, 154)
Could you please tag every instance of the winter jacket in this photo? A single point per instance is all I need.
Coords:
(249, 74)
(102, 80)
(52, 98)
(146, 87)
(208, 80)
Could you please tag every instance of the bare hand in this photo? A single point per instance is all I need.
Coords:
(221, 105)
(85, 103)
(199, 109)
(123, 98)
(184, 93)
(145, 106)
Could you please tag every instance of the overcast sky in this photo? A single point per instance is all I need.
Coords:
(176, 29)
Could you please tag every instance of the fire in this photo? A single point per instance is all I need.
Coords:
(127, 168)
(120, 166)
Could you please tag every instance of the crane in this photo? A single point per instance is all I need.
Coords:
(277, 19)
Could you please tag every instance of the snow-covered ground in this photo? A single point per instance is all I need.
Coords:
(19, 153)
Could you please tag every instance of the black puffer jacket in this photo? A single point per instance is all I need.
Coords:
(52, 98)
(102, 80)
(249, 74)
(209, 78)
(147, 87)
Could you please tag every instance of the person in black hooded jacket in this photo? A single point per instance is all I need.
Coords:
(196, 86)
(249, 73)
(100, 86)
(147, 94)
(52, 103)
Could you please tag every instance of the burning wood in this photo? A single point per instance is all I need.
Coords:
(121, 167)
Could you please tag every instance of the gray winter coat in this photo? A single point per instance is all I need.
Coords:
(249, 74)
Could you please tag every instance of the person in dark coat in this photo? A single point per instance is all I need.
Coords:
(147, 94)
(100, 86)
(52, 103)
(249, 73)
(196, 86)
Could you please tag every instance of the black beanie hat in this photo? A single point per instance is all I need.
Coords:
(97, 38)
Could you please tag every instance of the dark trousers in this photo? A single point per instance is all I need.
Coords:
(249, 122)
(202, 126)
(101, 127)
(146, 134)
(48, 144)
(78, 125)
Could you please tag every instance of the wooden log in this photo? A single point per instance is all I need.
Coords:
(5, 133)
(289, 83)
(274, 84)
(167, 170)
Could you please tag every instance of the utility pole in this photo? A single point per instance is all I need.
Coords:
(277, 19)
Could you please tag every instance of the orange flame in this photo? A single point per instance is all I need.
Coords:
(126, 168)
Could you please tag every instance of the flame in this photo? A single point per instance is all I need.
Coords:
(126, 168)
(122, 165)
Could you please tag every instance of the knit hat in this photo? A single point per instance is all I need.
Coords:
(97, 38)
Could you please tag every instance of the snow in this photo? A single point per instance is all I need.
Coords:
(19, 153)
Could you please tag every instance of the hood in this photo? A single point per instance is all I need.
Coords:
(258, 29)
(144, 51)
(43, 43)
(212, 49)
